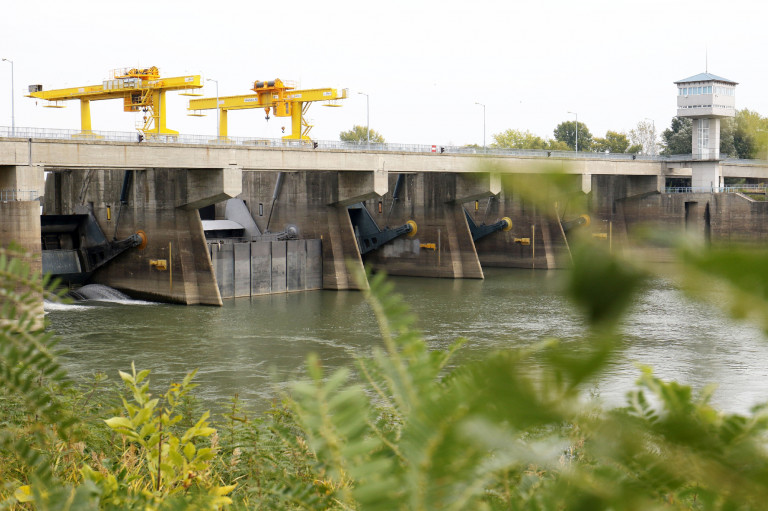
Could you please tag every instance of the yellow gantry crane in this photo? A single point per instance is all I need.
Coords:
(142, 90)
(279, 97)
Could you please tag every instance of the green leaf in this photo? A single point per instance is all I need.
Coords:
(120, 423)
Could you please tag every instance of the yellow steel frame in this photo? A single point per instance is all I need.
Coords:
(142, 90)
(275, 97)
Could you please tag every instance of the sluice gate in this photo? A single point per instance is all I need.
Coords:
(253, 268)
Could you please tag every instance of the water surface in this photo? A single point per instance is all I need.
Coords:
(251, 346)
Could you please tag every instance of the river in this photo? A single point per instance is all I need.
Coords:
(252, 346)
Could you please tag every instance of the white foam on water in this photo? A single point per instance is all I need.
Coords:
(101, 293)
(70, 307)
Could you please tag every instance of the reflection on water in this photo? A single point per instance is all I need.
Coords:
(245, 346)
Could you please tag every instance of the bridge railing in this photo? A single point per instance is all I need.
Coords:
(18, 195)
(758, 188)
(118, 136)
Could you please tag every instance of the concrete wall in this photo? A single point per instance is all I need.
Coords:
(606, 190)
(508, 248)
(721, 219)
(442, 245)
(311, 201)
(156, 205)
(267, 267)
(21, 225)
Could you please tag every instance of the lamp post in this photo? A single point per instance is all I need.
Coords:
(577, 130)
(482, 105)
(367, 118)
(13, 113)
(218, 114)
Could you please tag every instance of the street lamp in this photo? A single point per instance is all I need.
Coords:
(13, 113)
(482, 105)
(218, 113)
(367, 118)
(577, 130)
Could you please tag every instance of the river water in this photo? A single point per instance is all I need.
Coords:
(253, 346)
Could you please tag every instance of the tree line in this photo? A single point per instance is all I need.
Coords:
(743, 136)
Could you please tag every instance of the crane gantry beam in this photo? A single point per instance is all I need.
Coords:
(276, 97)
(142, 90)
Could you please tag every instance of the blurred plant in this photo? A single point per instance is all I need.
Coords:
(159, 464)
(411, 428)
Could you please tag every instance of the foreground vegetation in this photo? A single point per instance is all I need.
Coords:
(405, 429)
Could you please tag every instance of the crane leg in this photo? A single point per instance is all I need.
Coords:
(85, 115)
(222, 123)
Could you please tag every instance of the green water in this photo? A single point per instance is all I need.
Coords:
(253, 346)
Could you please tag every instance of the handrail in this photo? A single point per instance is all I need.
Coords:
(758, 188)
(19, 195)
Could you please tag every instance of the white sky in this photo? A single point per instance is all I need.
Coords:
(424, 63)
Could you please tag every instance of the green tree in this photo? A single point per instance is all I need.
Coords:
(614, 142)
(745, 136)
(677, 138)
(359, 134)
(518, 139)
(557, 145)
(566, 132)
(750, 133)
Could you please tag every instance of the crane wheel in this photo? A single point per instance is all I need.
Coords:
(508, 221)
(413, 227)
(587, 220)
(144, 239)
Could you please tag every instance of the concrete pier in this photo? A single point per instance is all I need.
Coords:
(175, 264)
(20, 187)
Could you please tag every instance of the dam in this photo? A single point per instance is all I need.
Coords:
(192, 220)
(308, 209)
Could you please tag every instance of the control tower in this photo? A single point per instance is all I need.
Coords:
(706, 98)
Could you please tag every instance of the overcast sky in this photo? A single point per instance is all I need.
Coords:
(424, 63)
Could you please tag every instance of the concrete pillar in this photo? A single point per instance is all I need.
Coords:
(705, 138)
(442, 245)
(20, 186)
(175, 265)
(316, 203)
(706, 176)
(357, 187)
(20, 225)
(535, 240)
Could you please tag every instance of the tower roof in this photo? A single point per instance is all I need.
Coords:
(706, 77)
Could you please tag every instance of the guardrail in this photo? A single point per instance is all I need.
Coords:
(117, 136)
(18, 195)
(759, 188)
